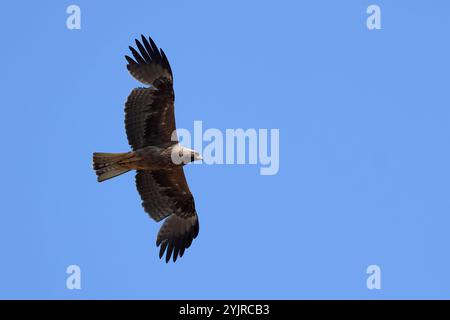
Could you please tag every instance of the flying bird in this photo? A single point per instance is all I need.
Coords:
(156, 154)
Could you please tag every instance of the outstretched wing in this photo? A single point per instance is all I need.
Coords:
(166, 194)
(149, 112)
(151, 63)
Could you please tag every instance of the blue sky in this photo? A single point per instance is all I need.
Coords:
(364, 150)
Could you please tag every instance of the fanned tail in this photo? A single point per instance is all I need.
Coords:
(108, 165)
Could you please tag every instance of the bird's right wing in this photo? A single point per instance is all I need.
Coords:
(151, 63)
(149, 112)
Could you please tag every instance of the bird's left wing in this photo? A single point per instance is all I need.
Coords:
(166, 194)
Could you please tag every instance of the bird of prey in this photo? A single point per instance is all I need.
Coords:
(156, 155)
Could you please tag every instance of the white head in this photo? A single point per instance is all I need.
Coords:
(183, 155)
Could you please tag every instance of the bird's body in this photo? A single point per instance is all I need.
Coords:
(147, 158)
(157, 156)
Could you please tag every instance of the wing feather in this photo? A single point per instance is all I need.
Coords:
(166, 194)
(149, 112)
(149, 64)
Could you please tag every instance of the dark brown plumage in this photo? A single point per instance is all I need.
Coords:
(150, 128)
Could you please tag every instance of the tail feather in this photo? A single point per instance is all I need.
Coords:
(108, 165)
